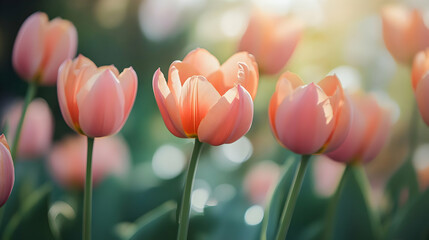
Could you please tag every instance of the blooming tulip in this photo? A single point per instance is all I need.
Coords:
(7, 172)
(259, 181)
(37, 130)
(95, 101)
(310, 118)
(67, 161)
(369, 131)
(205, 100)
(404, 32)
(41, 46)
(271, 39)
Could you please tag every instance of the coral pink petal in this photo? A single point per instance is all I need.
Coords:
(7, 174)
(197, 97)
(420, 67)
(128, 81)
(202, 61)
(227, 77)
(379, 136)
(167, 104)
(229, 119)
(304, 120)
(63, 73)
(28, 49)
(101, 105)
(422, 98)
(185, 71)
(60, 44)
(342, 125)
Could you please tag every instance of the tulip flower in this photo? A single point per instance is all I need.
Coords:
(94, 102)
(271, 39)
(207, 101)
(41, 46)
(310, 118)
(369, 131)
(67, 160)
(259, 181)
(37, 130)
(404, 32)
(420, 81)
(307, 119)
(7, 171)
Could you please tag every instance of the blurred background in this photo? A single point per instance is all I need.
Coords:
(232, 181)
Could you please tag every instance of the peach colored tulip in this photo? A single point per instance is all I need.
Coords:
(41, 46)
(368, 133)
(310, 118)
(327, 175)
(404, 32)
(37, 131)
(420, 67)
(271, 39)
(260, 180)
(95, 101)
(205, 100)
(7, 171)
(67, 160)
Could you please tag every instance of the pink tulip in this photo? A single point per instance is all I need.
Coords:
(95, 101)
(404, 32)
(37, 130)
(67, 161)
(41, 46)
(420, 67)
(271, 39)
(310, 118)
(369, 131)
(260, 180)
(207, 100)
(7, 171)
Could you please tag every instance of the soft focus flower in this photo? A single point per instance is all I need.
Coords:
(420, 67)
(67, 161)
(41, 46)
(260, 180)
(404, 32)
(37, 129)
(310, 118)
(421, 164)
(95, 101)
(420, 81)
(206, 100)
(271, 39)
(7, 171)
(368, 133)
(327, 175)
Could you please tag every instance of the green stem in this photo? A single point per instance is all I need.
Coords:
(185, 206)
(330, 217)
(87, 203)
(1, 214)
(31, 92)
(292, 197)
(413, 131)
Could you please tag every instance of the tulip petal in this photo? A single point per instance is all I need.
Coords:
(167, 105)
(286, 84)
(101, 105)
(342, 127)
(28, 48)
(420, 67)
(7, 173)
(60, 44)
(379, 134)
(128, 81)
(197, 97)
(422, 98)
(185, 71)
(227, 76)
(229, 119)
(202, 61)
(304, 120)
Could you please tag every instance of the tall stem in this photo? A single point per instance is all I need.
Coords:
(185, 206)
(31, 92)
(413, 131)
(87, 202)
(292, 197)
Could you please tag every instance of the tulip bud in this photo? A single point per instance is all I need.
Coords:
(41, 46)
(7, 171)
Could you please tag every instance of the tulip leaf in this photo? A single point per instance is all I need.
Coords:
(31, 221)
(402, 183)
(149, 224)
(278, 197)
(352, 217)
(412, 221)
